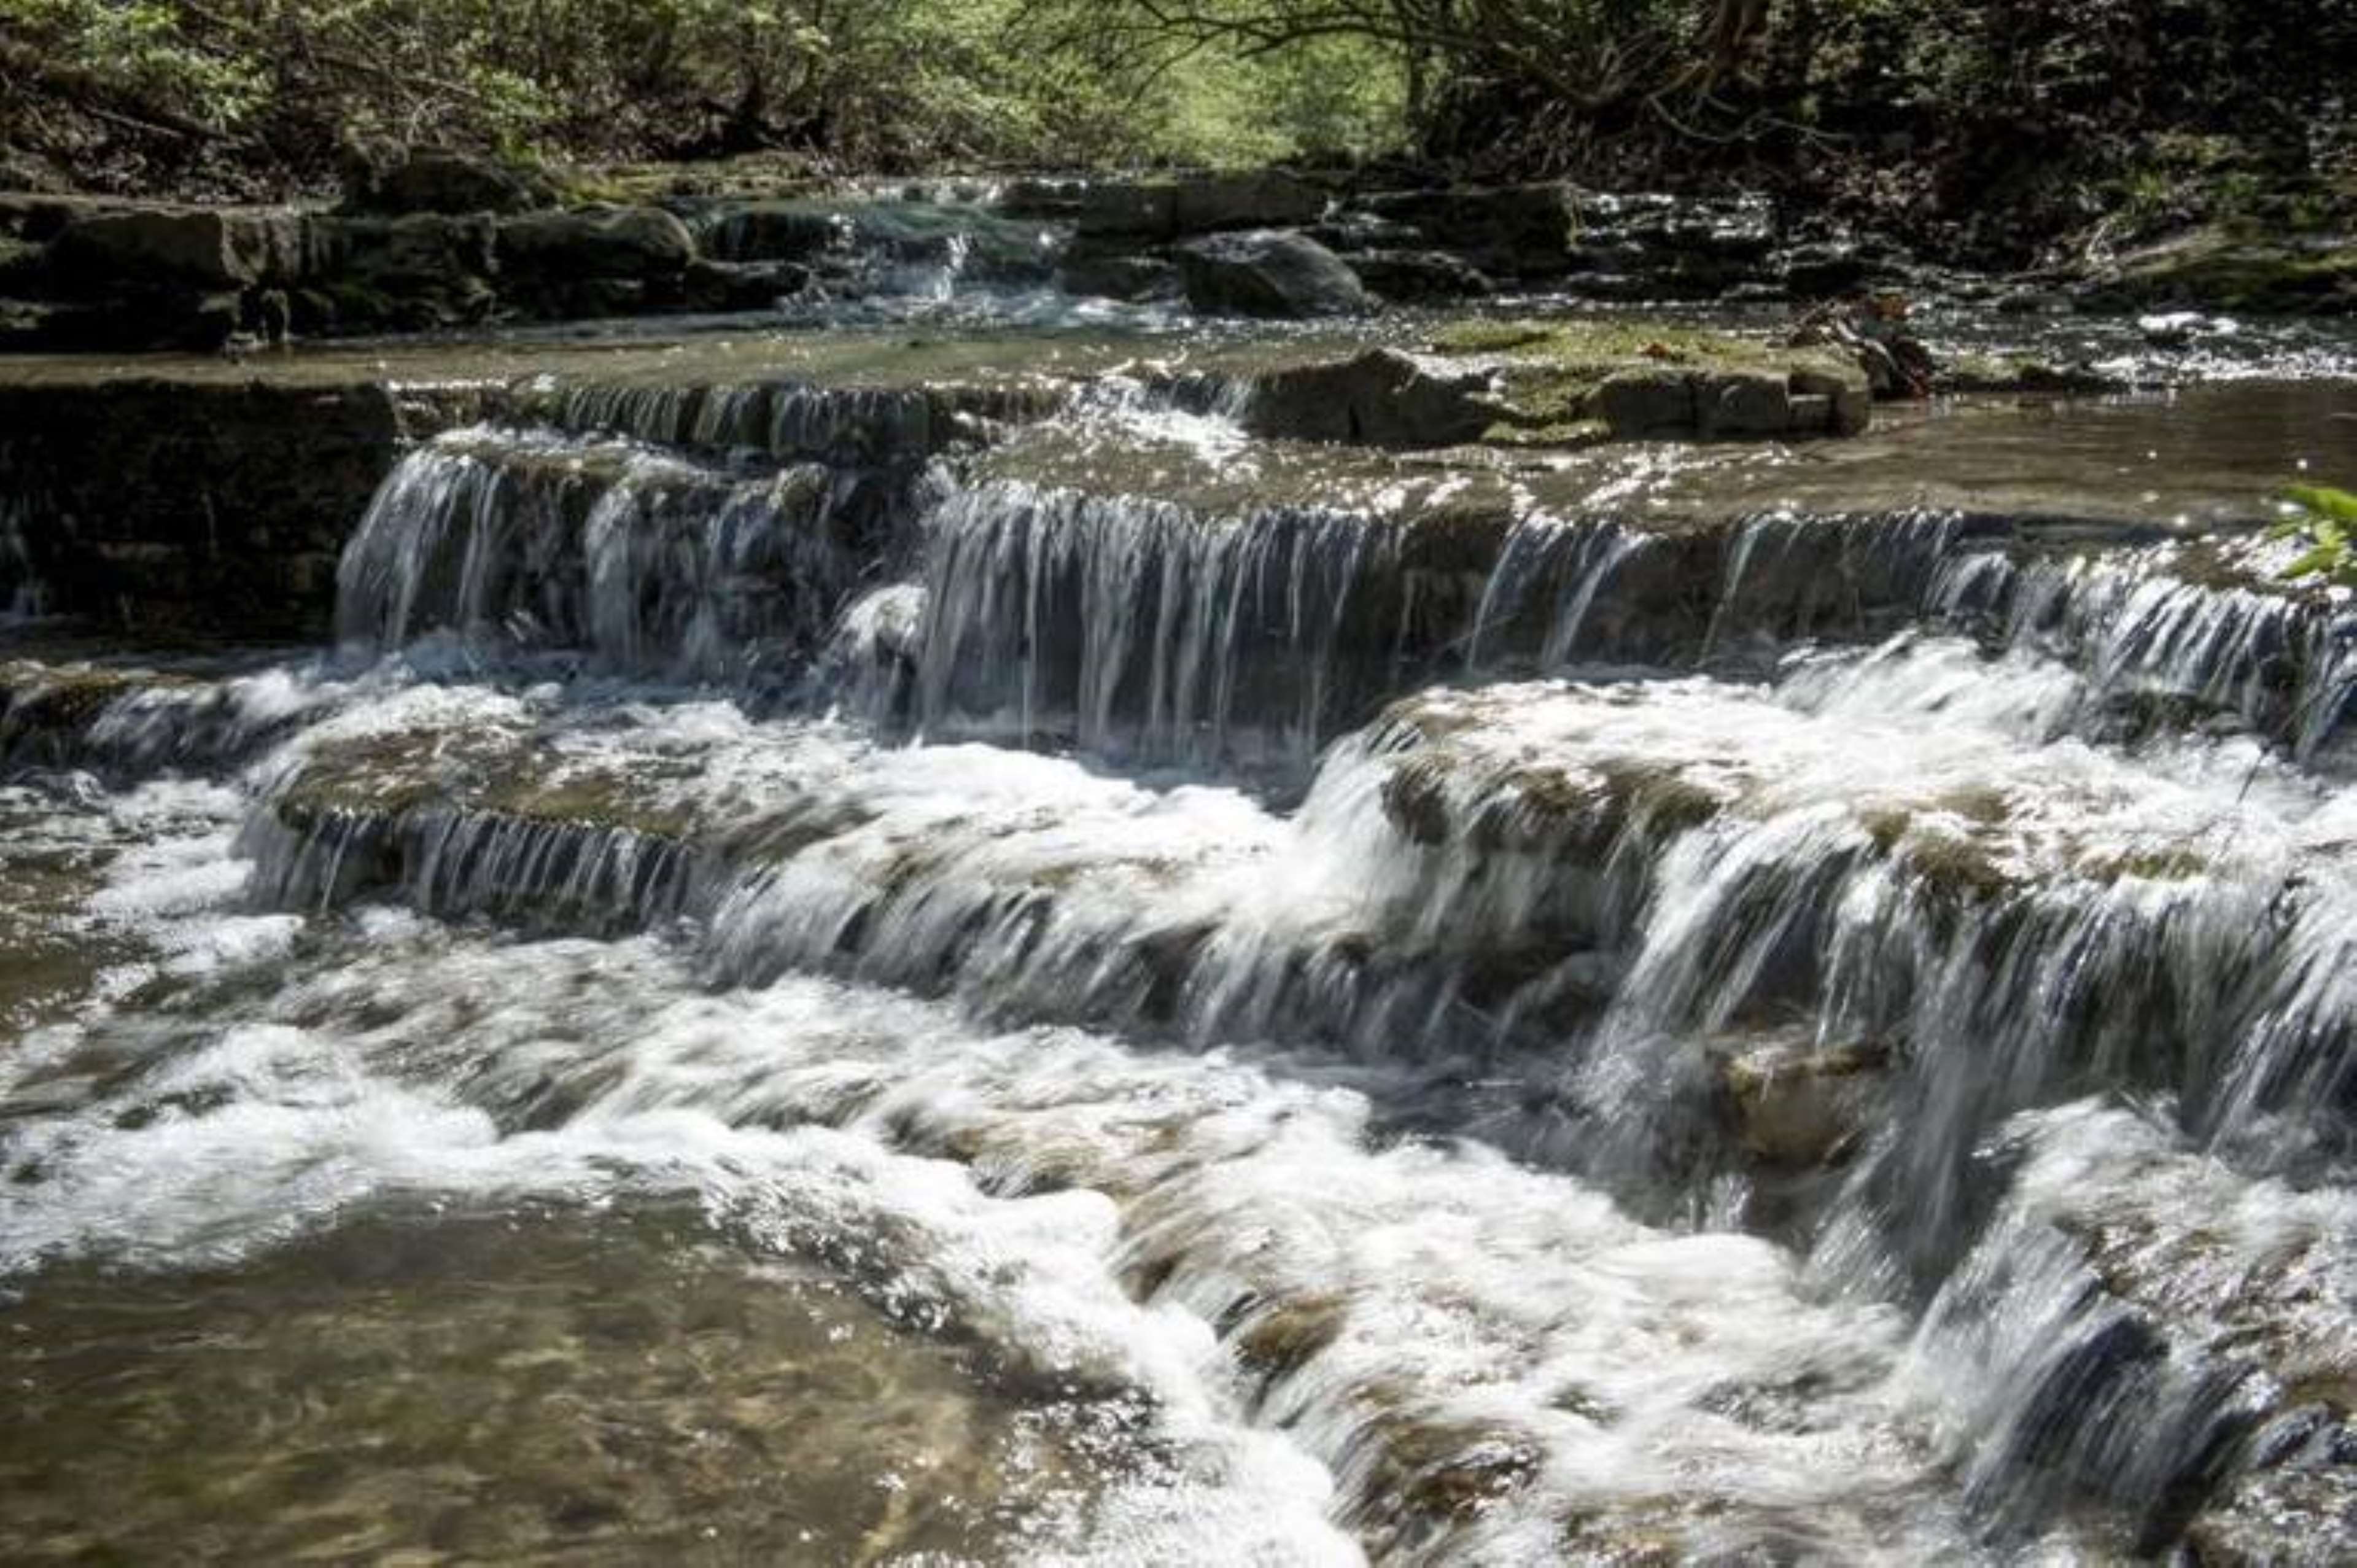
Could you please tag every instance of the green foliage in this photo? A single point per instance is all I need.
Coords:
(2326, 519)
(877, 85)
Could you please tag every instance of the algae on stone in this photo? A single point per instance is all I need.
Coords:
(1641, 380)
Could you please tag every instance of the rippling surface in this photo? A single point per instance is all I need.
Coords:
(790, 993)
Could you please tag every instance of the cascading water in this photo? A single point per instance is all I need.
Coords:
(1274, 1032)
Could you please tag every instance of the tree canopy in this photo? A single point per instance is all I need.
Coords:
(2063, 106)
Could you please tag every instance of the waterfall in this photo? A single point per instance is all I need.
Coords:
(641, 559)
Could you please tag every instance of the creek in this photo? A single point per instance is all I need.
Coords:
(873, 963)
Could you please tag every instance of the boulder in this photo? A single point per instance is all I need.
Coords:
(204, 247)
(1743, 406)
(1639, 405)
(1382, 397)
(412, 274)
(1172, 208)
(596, 241)
(741, 286)
(2215, 270)
(1514, 230)
(450, 183)
(1799, 1107)
(1410, 277)
(1268, 273)
(1849, 397)
(787, 230)
(1577, 379)
(1118, 275)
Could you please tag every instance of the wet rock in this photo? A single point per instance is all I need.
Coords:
(860, 238)
(1268, 273)
(1055, 198)
(214, 248)
(2182, 328)
(169, 503)
(1118, 275)
(1382, 397)
(1639, 405)
(740, 286)
(1825, 267)
(1170, 210)
(1516, 231)
(1848, 400)
(1647, 381)
(2213, 270)
(1982, 374)
(450, 183)
(788, 231)
(1280, 1338)
(1799, 1107)
(1743, 406)
(401, 273)
(605, 241)
(39, 216)
(2033, 302)
(2299, 1510)
(1410, 277)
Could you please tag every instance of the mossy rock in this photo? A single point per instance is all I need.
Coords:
(1638, 380)
(2217, 269)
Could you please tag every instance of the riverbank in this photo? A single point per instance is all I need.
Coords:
(464, 244)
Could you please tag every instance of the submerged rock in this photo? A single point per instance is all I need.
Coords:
(1269, 273)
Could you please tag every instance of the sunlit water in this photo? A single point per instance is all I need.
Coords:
(776, 1000)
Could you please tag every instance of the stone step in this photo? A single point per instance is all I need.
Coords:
(1588, 890)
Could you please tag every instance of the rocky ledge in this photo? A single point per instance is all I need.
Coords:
(444, 242)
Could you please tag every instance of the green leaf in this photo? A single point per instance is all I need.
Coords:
(2323, 558)
(2324, 501)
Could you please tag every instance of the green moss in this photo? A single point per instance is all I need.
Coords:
(2167, 863)
(1661, 796)
(1416, 799)
(1975, 803)
(1284, 1337)
(1448, 1470)
(1550, 373)
(1958, 868)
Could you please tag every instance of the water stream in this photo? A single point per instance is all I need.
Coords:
(789, 991)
